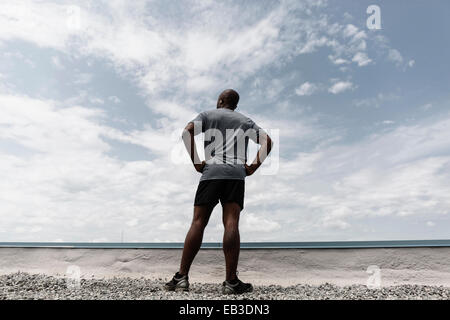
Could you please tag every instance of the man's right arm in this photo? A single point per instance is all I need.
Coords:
(189, 143)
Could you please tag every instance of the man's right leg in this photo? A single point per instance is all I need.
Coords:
(194, 236)
(231, 238)
(180, 280)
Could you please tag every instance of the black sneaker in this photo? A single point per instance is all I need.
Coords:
(178, 283)
(237, 288)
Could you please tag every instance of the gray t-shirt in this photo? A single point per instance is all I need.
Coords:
(226, 141)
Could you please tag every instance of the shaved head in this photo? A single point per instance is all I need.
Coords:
(228, 99)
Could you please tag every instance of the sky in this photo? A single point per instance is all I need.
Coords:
(94, 96)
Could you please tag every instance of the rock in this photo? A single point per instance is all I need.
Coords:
(37, 286)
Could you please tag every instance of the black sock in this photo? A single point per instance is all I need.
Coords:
(233, 281)
(178, 275)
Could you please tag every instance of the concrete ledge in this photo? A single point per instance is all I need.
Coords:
(425, 266)
(244, 245)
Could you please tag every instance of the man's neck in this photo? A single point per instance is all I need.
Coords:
(227, 107)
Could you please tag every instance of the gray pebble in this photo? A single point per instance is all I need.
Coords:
(38, 286)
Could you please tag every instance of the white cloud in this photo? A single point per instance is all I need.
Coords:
(44, 25)
(313, 44)
(347, 16)
(350, 30)
(334, 223)
(395, 56)
(427, 106)
(251, 223)
(102, 239)
(184, 54)
(61, 182)
(361, 59)
(399, 173)
(70, 187)
(351, 47)
(114, 99)
(338, 61)
(132, 222)
(306, 89)
(377, 101)
(173, 226)
(95, 100)
(202, 83)
(57, 62)
(341, 86)
(83, 78)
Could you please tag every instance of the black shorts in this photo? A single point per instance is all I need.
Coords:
(209, 192)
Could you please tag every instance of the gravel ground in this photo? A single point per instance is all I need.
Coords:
(37, 286)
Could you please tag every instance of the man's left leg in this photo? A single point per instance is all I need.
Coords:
(194, 236)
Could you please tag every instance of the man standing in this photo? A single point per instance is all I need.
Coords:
(223, 178)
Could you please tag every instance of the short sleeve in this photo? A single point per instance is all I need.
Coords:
(199, 123)
(254, 131)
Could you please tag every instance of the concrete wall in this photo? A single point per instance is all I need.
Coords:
(427, 266)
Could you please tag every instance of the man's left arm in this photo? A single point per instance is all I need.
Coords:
(266, 144)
